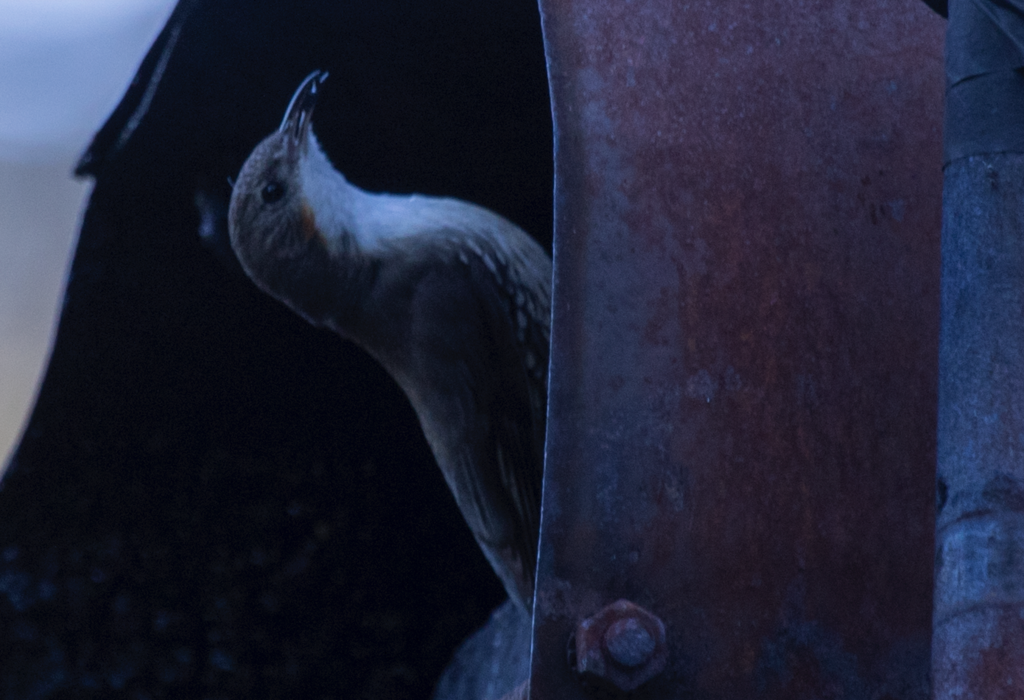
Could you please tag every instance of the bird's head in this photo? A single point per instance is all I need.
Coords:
(270, 220)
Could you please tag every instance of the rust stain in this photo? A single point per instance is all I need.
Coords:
(741, 429)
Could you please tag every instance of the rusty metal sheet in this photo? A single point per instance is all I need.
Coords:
(741, 433)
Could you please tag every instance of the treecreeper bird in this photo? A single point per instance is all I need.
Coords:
(451, 299)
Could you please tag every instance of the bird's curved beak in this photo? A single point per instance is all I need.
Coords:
(299, 114)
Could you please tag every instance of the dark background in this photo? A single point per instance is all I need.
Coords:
(213, 499)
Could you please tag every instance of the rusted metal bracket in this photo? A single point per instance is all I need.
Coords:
(742, 395)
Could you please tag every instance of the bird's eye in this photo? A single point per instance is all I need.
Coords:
(272, 192)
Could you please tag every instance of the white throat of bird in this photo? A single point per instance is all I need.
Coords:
(375, 219)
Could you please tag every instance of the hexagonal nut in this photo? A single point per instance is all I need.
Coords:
(622, 645)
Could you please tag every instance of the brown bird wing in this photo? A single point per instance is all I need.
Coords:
(478, 337)
(515, 302)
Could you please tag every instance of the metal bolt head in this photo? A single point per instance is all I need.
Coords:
(629, 643)
(622, 645)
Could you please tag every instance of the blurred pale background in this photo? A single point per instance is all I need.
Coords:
(64, 64)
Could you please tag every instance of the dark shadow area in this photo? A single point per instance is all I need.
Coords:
(212, 498)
